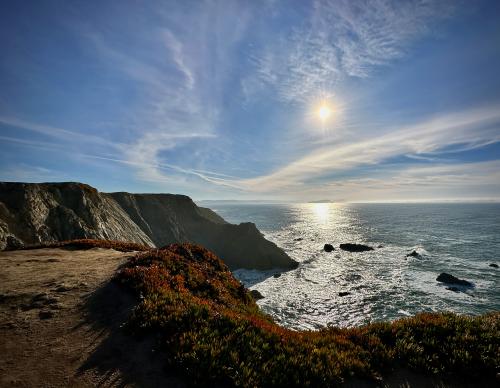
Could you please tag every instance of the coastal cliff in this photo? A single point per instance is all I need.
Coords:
(32, 213)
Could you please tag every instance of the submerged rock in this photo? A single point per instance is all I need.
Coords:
(328, 248)
(352, 277)
(454, 289)
(450, 279)
(355, 247)
(494, 265)
(256, 294)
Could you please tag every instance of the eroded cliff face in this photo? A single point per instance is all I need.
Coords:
(167, 218)
(45, 212)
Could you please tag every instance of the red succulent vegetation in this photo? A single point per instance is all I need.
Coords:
(213, 331)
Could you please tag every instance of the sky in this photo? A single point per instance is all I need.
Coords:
(222, 99)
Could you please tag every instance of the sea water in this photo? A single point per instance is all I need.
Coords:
(384, 284)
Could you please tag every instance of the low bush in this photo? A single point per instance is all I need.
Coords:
(212, 330)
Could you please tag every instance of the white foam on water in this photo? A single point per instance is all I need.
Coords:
(384, 283)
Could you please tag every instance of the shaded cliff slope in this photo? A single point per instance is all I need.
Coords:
(167, 218)
(32, 213)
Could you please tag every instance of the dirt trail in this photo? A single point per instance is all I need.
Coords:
(61, 323)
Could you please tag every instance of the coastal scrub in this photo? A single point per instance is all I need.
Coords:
(212, 331)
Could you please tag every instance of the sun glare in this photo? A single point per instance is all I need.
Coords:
(321, 211)
(324, 112)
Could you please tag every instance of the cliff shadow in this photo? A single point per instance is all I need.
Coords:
(120, 358)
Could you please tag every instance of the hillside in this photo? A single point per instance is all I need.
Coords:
(80, 315)
(48, 212)
(212, 332)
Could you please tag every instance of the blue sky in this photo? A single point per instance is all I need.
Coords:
(220, 99)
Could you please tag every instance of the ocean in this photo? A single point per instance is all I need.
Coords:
(384, 284)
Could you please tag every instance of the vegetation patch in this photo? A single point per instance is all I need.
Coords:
(212, 331)
(121, 246)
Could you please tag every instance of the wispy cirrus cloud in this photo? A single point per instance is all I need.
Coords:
(216, 96)
(475, 180)
(59, 134)
(28, 173)
(182, 87)
(469, 129)
(339, 39)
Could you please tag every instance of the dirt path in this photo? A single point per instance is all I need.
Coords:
(60, 323)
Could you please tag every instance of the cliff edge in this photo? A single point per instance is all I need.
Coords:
(32, 213)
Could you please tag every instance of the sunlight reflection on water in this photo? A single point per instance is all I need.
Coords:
(382, 284)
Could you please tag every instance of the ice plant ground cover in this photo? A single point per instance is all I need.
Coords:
(212, 331)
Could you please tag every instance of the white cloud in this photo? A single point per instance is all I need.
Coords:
(339, 39)
(178, 57)
(59, 134)
(28, 173)
(182, 105)
(479, 180)
(469, 129)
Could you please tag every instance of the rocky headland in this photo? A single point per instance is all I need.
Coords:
(34, 213)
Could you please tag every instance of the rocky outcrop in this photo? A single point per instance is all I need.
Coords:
(168, 218)
(450, 279)
(256, 295)
(355, 247)
(328, 248)
(48, 212)
(34, 213)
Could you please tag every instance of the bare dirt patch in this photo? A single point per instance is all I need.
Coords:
(61, 323)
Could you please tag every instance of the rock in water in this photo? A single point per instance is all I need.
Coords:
(450, 279)
(493, 265)
(328, 248)
(344, 293)
(413, 254)
(276, 275)
(355, 247)
(256, 295)
(48, 212)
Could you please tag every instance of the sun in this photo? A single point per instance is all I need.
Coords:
(324, 112)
